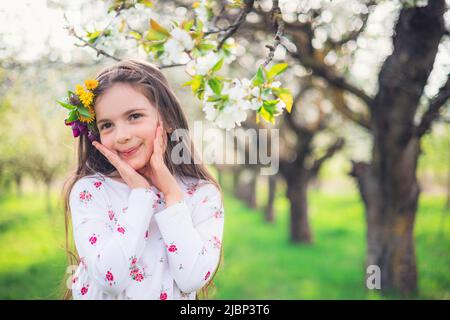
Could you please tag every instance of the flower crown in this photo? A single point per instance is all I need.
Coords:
(81, 116)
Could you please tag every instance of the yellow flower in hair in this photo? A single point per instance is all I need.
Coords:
(91, 84)
(86, 119)
(79, 90)
(86, 98)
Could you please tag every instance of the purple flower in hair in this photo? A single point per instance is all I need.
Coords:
(78, 128)
(92, 136)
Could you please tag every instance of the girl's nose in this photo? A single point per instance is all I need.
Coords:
(122, 134)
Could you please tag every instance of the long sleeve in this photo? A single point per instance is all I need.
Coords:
(193, 239)
(107, 241)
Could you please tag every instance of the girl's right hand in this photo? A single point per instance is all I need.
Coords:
(132, 178)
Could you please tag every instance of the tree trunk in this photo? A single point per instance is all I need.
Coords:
(251, 200)
(388, 184)
(390, 216)
(236, 174)
(269, 215)
(48, 185)
(18, 180)
(300, 231)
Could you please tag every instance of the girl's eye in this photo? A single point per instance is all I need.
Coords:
(133, 115)
(136, 114)
(103, 126)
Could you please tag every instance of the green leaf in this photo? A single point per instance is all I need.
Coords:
(215, 85)
(187, 83)
(259, 77)
(267, 115)
(199, 27)
(218, 65)
(159, 28)
(197, 83)
(270, 106)
(285, 95)
(200, 93)
(146, 3)
(67, 105)
(84, 112)
(72, 116)
(154, 35)
(215, 98)
(135, 35)
(276, 70)
(205, 46)
(187, 25)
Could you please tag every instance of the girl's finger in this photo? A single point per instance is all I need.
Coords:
(111, 156)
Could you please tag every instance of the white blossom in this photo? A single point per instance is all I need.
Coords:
(183, 37)
(276, 84)
(256, 103)
(203, 64)
(175, 47)
(202, 13)
(280, 106)
(230, 116)
(210, 111)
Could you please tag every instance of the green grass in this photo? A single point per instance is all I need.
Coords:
(259, 262)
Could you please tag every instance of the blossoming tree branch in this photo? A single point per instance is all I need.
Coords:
(198, 44)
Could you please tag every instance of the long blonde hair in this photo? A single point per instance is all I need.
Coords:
(151, 82)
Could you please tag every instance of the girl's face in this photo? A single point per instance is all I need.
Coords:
(126, 120)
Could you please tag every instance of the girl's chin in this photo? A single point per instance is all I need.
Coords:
(137, 165)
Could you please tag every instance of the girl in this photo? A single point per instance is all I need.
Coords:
(143, 227)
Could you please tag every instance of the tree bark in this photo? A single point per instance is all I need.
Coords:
(388, 184)
(251, 200)
(269, 214)
(48, 190)
(297, 193)
(18, 181)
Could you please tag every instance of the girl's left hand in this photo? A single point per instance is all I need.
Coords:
(157, 171)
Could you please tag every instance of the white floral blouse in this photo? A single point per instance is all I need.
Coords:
(132, 247)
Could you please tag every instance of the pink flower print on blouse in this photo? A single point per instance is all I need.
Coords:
(158, 200)
(74, 280)
(218, 213)
(124, 210)
(205, 199)
(217, 242)
(110, 277)
(146, 234)
(85, 196)
(121, 229)
(207, 275)
(171, 248)
(139, 277)
(163, 295)
(192, 187)
(83, 263)
(133, 260)
(84, 289)
(93, 239)
(135, 272)
(111, 215)
(97, 184)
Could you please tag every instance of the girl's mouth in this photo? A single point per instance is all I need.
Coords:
(130, 153)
